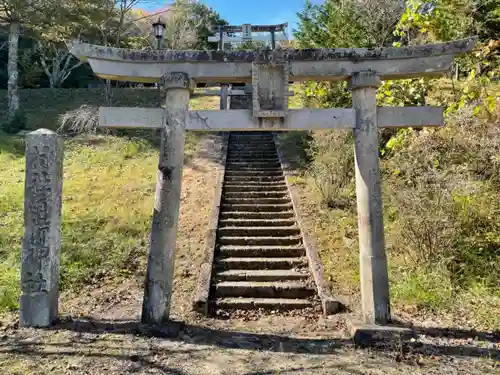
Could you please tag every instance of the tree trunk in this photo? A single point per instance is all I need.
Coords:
(12, 68)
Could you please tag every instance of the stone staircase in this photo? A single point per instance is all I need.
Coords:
(260, 260)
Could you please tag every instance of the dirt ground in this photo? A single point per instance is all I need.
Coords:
(100, 331)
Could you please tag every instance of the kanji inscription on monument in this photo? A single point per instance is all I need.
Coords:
(42, 233)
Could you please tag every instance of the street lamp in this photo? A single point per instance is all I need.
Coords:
(159, 28)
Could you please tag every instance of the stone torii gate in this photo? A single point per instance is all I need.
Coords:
(269, 72)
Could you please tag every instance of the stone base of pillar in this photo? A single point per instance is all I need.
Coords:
(365, 335)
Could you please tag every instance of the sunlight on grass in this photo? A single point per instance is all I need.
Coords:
(108, 193)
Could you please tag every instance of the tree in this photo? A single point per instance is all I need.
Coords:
(16, 14)
(57, 62)
(348, 23)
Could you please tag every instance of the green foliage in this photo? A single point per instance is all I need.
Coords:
(332, 166)
(15, 124)
(324, 94)
(349, 23)
(475, 90)
(404, 92)
(435, 21)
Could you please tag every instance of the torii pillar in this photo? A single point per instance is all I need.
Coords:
(160, 272)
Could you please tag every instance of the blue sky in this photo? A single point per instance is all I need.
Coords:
(237, 12)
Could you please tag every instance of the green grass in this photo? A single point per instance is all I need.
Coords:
(108, 194)
(459, 288)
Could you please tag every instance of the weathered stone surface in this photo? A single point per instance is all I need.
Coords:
(270, 89)
(201, 297)
(84, 51)
(296, 119)
(307, 64)
(366, 335)
(159, 278)
(373, 261)
(42, 233)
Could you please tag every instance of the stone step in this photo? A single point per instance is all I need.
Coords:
(251, 145)
(255, 194)
(233, 178)
(280, 304)
(264, 200)
(267, 184)
(253, 142)
(263, 289)
(258, 231)
(260, 241)
(251, 150)
(252, 164)
(255, 188)
(255, 263)
(248, 139)
(261, 275)
(257, 207)
(236, 159)
(250, 168)
(254, 173)
(271, 222)
(263, 154)
(256, 215)
(261, 251)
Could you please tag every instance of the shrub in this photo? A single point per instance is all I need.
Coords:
(332, 168)
(15, 124)
(84, 119)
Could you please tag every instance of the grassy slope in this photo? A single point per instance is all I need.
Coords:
(108, 198)
(421, 292)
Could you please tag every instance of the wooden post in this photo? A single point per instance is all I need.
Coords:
(160, 272)
(373, 260)
(42, 229)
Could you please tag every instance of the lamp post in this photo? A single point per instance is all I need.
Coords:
(159, 28)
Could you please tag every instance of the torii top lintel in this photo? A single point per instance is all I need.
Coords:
(304, 64)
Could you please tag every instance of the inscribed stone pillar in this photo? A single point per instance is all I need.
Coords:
(42, 229)
(373, 260)
(160, 271)
(224, 97)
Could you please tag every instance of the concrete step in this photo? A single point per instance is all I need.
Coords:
(271, 222)
(280, 304)
(256, 200)
(260, 241)
(253, 145)
(257, 207)
(256, 215)
(255, 263)
(255, 194)
(250, 168)
(236, 178)
(253, 173)
(261, 251)
(261, 275)
(251, 150)
(253, 164)
(263, 289)
(259, 187)
(263, 154)
(258, 231)
(236, 159)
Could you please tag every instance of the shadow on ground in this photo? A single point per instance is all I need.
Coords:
(283, 344)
